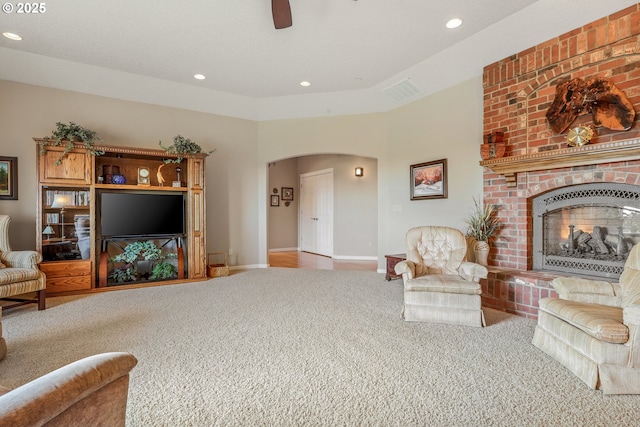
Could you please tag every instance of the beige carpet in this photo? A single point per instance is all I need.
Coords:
(291, 347)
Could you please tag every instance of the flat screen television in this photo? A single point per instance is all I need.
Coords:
(131, 214)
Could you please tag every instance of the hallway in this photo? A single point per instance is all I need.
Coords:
(296, 259)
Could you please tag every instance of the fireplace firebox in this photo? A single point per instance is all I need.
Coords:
(586, 229)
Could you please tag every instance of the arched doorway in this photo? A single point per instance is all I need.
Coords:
(355, 212)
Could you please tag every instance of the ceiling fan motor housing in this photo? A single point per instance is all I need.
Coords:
(281, 11)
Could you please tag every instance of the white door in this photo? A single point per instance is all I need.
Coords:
(316, 212)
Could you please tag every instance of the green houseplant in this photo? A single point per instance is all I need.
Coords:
(69, 135)
(163, 270)
(482, 224)
(182, 146)
(146, 250)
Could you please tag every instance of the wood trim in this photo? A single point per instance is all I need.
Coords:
(102, 269)
(138, 151)
(180, 262)
(134, 285)
(590, 154)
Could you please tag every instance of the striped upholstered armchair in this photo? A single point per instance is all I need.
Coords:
(19, 272)
(439, 284)
(593, 329)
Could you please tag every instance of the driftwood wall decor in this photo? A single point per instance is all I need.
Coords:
(597, 96)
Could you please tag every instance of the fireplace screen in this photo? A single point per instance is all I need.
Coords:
(586, 229)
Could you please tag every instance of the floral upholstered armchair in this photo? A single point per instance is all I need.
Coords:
(593, 329)
(439, 284)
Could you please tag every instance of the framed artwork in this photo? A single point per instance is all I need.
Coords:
(287, 193)
(275, 200)
(8, 178)
(429, 180)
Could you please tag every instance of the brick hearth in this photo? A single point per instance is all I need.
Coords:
(517, 93)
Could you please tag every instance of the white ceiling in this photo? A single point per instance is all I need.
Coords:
(350, 51)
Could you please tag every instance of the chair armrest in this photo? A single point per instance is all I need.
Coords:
(587, 290)
(21, 259)
(54, 396)
(406, 267)
(472, 271)
(631, 315)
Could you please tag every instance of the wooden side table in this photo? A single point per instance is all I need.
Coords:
(392, 260)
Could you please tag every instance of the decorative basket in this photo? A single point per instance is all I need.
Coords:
(492, 150)
(217, 269)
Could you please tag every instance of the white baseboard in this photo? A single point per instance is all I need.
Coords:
(342, 257)
(252, 266)
(355, 257)
(248, 266)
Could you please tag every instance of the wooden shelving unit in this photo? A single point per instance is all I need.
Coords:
(70, 271)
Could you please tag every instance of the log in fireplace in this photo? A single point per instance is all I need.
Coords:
(586, 229)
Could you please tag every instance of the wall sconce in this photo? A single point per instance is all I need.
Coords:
(359, 172)
(61, 201)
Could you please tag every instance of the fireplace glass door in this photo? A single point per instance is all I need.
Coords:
(588, 230)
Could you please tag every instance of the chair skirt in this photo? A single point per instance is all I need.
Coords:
(438, 307)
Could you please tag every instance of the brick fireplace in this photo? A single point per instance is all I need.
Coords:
(518, 91)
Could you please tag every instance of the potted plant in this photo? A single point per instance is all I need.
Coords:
(182, 146)
(142, 250)
(482, 224)
(69, 135)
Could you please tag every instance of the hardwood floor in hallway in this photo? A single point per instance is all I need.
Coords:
(295, 259)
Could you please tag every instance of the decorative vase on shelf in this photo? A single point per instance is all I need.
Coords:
(493, 146)
(492, 151)
(118, 179)
(481, 251)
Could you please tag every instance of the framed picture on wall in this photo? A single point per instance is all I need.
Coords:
(287, 193)
(429, 180)
(275, 200)
(8, 178)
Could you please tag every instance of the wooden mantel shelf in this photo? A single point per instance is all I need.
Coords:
(589, 154)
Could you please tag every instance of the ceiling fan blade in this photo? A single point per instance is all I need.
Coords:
(281, 11)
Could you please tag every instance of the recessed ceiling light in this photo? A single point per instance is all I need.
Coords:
(454, 23)
(305, 84)
(12, 36)
(199, 76)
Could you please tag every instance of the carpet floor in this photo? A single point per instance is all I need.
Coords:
(293, 347)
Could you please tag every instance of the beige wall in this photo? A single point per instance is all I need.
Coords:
(28, 111)
(444, 125)
(283, 220)
(447, 125)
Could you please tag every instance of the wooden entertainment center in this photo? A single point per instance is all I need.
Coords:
(77, 257)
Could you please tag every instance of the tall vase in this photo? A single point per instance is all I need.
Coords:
(481, 251)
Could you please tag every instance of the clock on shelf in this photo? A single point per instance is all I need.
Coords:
(143, 176)
(580, 135)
